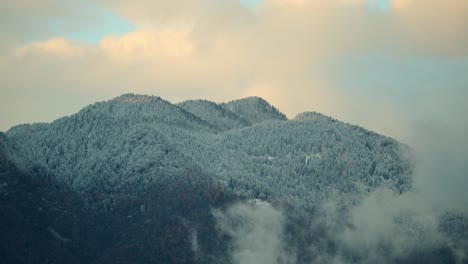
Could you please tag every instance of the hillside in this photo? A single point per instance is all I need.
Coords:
(215, 114)
(131, 142)
(254, 110)
(137, 179)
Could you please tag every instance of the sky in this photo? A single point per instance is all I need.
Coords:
(391, 66)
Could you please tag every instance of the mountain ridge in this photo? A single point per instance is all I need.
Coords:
(137, 179)
(133, 141)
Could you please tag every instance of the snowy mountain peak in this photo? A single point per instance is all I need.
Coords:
(254, 110)
(214, 114)
(251, 100)
(135, 98)
(128, 144)
(311, 116)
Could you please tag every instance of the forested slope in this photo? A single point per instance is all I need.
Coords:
(131, 142)
(137, 179)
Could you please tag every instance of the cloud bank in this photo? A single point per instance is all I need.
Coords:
(283, 50)
(256, 229)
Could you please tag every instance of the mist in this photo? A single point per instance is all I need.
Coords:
(412, 221)
(256, 229)
(427, 223)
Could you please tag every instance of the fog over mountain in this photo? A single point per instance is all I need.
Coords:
(137, 179)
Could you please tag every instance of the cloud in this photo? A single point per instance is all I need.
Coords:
(148, 45)
(415, 224)
(386, 223)
(221, 50)
(304, 3)
(441, 149)
(432, 27)
(400, 4)
(256, 229)
(54, 46)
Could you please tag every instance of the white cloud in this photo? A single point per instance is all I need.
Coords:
(54, 46)
(148, 45)
(256, 230)
(221, 50)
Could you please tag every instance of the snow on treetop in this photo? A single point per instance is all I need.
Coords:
(136, 98)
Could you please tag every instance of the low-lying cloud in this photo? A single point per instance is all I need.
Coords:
(256, 229)
(428, 223)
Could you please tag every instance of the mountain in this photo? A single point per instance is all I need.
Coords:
(214, 114)
(47, 222)
(254, 110)
(137, 179)
(40, 220)
(234, 114)
(133, 141)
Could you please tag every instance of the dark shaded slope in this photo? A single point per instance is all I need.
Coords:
(41, 222)
(46, 223)
(214, 114)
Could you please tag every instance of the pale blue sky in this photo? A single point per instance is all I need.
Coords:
(105, 23)
(109, 24)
